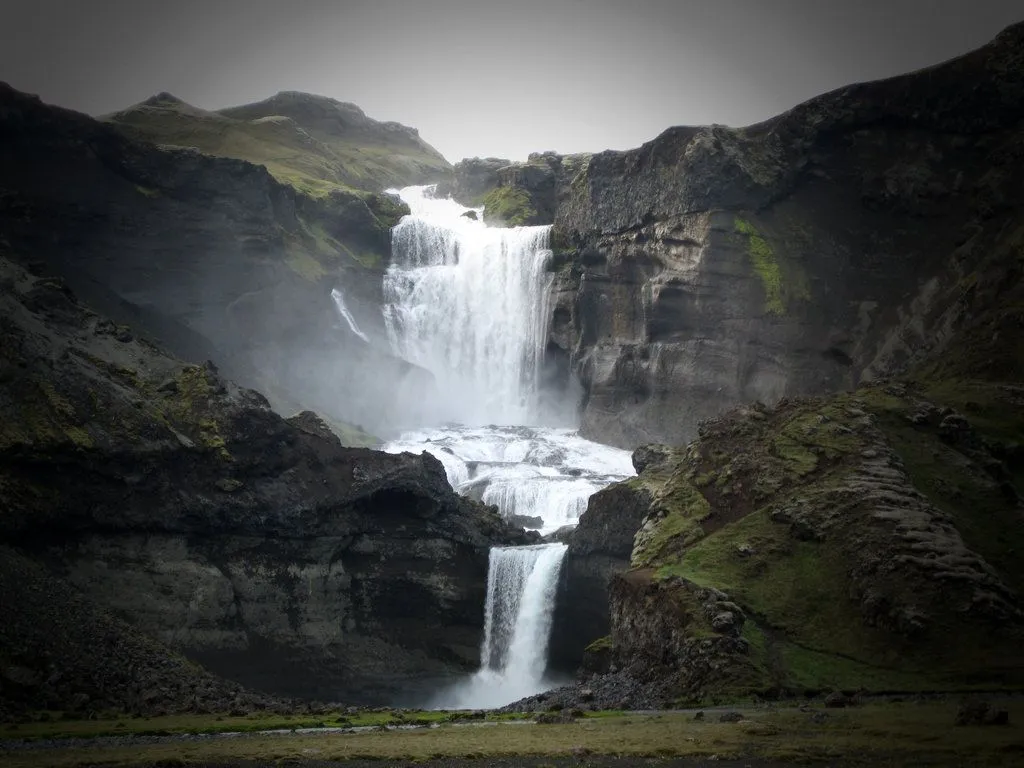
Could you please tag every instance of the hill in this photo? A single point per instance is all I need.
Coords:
(314, 143)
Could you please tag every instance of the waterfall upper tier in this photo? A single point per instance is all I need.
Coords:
(469, 303)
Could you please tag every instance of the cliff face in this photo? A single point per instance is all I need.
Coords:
(836, 243)
(868, 540)
(210, 255)
(183, 504)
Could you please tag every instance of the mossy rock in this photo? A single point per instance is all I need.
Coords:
(508, 206)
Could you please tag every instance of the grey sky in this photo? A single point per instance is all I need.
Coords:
(488, 78)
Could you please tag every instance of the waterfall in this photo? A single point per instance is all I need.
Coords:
(521, 584)
(339, 304)
(469, 303)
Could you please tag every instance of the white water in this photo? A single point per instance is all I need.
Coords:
(521, 584)
(339, 304)
(470, 303)
(535, 472)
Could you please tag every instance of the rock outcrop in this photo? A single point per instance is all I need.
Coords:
(841, 241)
(870, 541)
(212, 256)
(514, 194)
(59, 652)
(598, 548)
(184, 505)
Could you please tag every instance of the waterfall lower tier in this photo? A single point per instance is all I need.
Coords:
(521, 584)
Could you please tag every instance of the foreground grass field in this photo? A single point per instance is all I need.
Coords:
(874, 734)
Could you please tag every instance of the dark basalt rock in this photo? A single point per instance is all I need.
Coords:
(847, 239)
(599, 547)
(258, 545)
(211, 256)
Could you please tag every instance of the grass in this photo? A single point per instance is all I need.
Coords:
(890, 733)
(763, 515)
(316, 162)
(57, 725)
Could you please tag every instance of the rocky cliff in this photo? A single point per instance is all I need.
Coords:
(873, 232)
(841, 241)
(868, 541)
(211, 255)
(183, 504)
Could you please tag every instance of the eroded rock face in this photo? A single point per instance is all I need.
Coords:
(599, 547)
(843, 531)
(833, 244)
(211, 256)
(184, 505)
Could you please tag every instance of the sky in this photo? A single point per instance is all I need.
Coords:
(483, 78)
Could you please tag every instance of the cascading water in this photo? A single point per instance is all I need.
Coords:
(339, 304)
(469, 303)
(521, 584)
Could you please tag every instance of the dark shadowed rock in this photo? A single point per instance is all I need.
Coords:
(258, 545)
(844, 240)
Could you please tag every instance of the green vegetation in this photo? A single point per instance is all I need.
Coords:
(352, 435)
(873, 734)
(769, 507)
(508, 205)
(601, 644)
(765, 264)
(684, 508)
(313, 157)
(302, 263)
(191, 409)
(781, 287)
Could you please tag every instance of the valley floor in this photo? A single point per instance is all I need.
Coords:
(913, 732)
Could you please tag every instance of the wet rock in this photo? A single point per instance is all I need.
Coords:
(837, 700)
(981, 713)
(525, 521)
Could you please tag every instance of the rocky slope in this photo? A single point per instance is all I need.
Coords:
(315, 143)
(871, 540)
(60, 652)
(211, 255)
(838, 242)
(183, 504)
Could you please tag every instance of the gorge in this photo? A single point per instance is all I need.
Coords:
(735, 413)
(468, 302)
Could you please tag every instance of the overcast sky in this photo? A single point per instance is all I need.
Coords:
(478, 77)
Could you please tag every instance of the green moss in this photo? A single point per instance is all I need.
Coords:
(190, 410)
(388, 209)
(302, 263)
(683, 508)
(794, 586)
(765, 264)
(811, 437)
(147, 191)
(354, 436)
(599, 645)
(509, 205)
